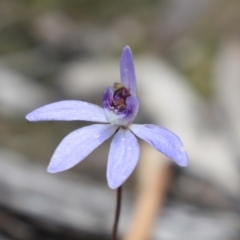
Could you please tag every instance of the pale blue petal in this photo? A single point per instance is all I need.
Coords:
(127, 71)
(69, 110)
(123, 158)
(79, 144)
(163, 140)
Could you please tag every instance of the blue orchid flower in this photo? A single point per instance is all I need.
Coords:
(120, 107)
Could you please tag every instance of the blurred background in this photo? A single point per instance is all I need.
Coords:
(187, 62)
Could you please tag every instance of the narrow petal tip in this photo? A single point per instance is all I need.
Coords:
(51, 170)
(32, 117)
(127, 49)
(54, 168)
(127, 72)
(112, 185)
(29, 117)
(183, 158)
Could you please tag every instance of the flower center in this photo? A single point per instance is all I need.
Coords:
(119, 97)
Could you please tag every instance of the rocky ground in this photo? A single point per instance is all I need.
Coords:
(187, 57)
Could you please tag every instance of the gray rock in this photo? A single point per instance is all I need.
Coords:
(65, 199)
(226, 80)
(181, 221)
(19, 94)
(72, 201)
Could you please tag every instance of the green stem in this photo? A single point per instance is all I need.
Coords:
(117, 213)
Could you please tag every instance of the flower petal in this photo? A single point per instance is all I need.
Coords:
(163, 140)
(132, 107)
(129, 114)
(107, 98)
(123, 158)
(127, 71)
(69, 110)
(79, 144)
(126, 116)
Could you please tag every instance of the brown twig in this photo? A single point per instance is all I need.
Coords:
(154, 176)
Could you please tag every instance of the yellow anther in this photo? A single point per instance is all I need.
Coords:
(117, 86)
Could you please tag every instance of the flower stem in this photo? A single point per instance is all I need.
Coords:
(117, 213)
